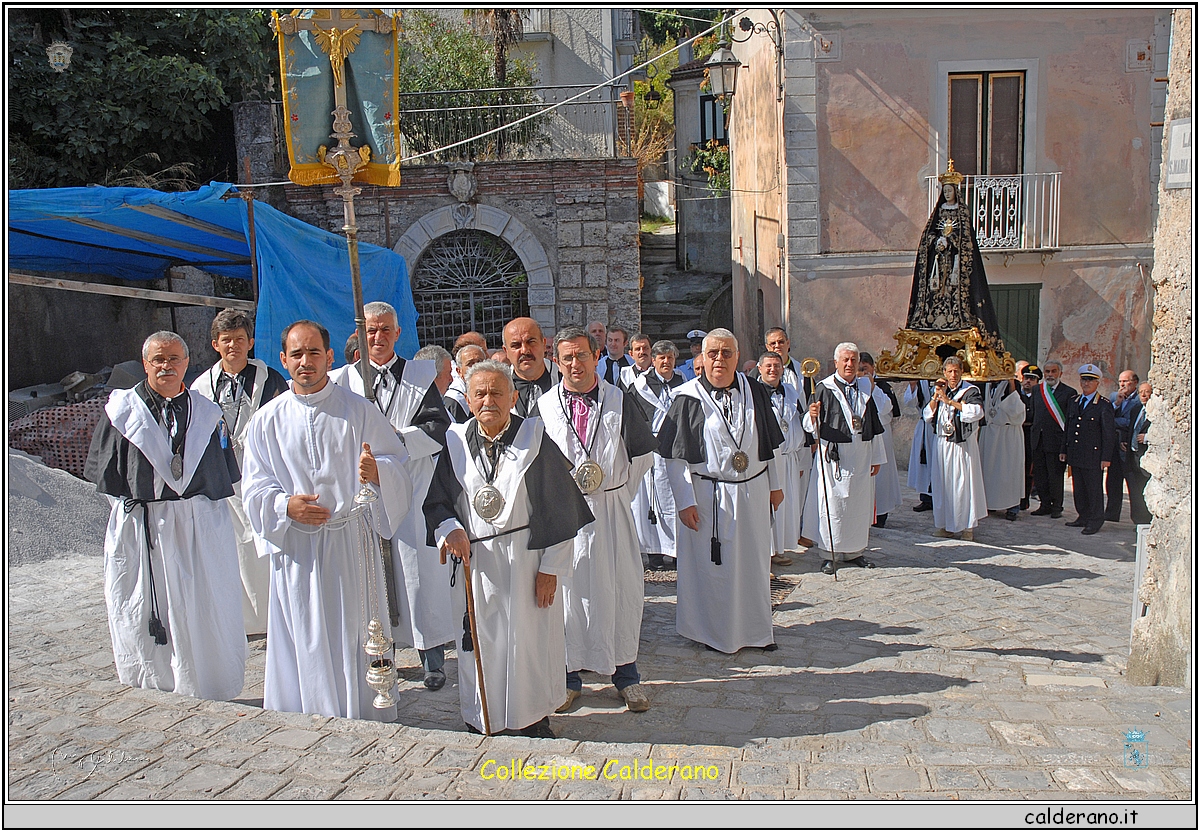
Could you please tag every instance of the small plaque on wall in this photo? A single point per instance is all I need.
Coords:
(1178, 171)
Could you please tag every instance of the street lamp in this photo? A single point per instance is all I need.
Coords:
(722, 68)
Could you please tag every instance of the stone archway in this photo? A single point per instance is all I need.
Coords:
(498, 222)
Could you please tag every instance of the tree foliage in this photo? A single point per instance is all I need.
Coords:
(666, 26)
(437, 53)
(145, 86)
(450, 90)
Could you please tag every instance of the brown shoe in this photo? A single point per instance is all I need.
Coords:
(780, 560)
(805, 542)
(572, 695)
(635, 698)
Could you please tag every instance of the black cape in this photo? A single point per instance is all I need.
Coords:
(834, 427)
(528, 392)
(972, 396)
(119, 469)
(431, 416)
(682, 433)
(557, 508)
(647, 408)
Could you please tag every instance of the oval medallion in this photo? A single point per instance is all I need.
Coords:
(856, 424)
(177, 466)
(740, 462)
(589, 476)
(488, 502)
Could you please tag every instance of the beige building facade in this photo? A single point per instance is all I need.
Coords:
(843, 118)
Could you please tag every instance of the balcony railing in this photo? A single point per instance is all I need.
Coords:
(583, 129)
(1011, 213)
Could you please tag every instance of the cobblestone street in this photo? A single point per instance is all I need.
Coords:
(954, 671)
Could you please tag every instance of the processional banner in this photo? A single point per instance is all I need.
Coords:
(357, 50)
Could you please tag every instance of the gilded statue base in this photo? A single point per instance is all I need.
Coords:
(917, 356)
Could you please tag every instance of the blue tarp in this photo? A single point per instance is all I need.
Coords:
(137, 234)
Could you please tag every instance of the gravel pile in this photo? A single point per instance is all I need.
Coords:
(51, 514)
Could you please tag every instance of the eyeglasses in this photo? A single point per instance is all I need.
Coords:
(172, 361)
(715, 354)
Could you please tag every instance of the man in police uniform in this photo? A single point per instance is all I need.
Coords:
(1089, 442)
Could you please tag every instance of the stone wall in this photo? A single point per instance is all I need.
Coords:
(574, 224)
(104, 330)
(1161, 653)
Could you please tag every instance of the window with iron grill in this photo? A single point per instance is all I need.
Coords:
(468, 280)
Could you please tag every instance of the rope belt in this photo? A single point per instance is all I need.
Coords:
(156, 629)
(715, 543)
(457, 560)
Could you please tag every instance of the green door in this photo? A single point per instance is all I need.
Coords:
(1017, 306)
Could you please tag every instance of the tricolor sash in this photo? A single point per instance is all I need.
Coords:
(1053, 406)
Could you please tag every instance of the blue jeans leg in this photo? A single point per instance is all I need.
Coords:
(626, 675)
(574, 681)
(433, 658)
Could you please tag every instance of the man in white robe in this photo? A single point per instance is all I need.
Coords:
(654, 504)
(721, 440)
(794, 457)
(614, 360)
(956, 476)
(1002, 448)
(640, 354)
(610, 447)
(161, 455)
(240, 385)
(918, 393)
(841, 498)
(307, 455)
(887, 481)
(517, 545)
(406, 392)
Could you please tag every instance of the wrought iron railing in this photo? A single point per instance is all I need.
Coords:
(1011, 213)
(582, 129)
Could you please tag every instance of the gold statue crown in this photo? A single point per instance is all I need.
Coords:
(951, 175)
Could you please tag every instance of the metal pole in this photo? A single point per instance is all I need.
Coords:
(346, 161)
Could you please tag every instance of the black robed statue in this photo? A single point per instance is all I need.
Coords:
(950, 289)
(950, 310)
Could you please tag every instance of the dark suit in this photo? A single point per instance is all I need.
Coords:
(1114, 480)
(1090, 439)
(1045, 443)
(1135, 475)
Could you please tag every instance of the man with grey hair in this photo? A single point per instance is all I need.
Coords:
(455, 397)
(654, 505)
(502, 502)
(407, 393)
(721, 437)
(162, 456)
(609, 445)
(840, 506)
(1050, 401)
(444, 362)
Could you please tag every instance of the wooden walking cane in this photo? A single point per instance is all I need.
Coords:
(476, 641)
(810, 370)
